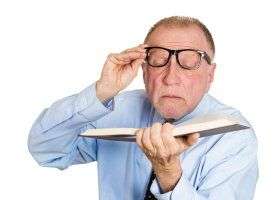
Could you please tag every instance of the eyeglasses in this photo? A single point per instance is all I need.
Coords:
(186, 58)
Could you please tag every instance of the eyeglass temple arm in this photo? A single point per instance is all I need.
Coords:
(207, 58)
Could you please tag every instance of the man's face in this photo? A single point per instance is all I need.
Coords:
(172, 90)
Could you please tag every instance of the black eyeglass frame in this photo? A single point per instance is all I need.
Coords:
(175, 52)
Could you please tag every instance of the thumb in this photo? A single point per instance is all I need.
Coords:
(192, 138)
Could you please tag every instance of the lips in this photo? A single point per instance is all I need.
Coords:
(171, 96)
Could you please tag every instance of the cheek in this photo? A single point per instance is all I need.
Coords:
(195, 83)
(153, 85)
(196, 86)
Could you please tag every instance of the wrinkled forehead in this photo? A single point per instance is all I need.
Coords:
(174, 37)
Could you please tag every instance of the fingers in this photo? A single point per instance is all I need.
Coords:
(136, 64)
(139, 48)
(133, 53)
(126, 57)
(149, 140)
(147, 144)
(158, 141)
(134, 56)
(139, 133)
(168, 139)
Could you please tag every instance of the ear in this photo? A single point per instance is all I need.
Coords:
(211, 73)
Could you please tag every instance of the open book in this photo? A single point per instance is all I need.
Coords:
(205, 126)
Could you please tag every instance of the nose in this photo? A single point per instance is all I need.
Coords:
(172, 75)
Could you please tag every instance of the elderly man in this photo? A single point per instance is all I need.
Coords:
(178, 69)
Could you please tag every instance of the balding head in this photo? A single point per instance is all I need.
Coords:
(184, 22)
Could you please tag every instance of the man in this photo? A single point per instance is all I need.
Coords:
(178, 69)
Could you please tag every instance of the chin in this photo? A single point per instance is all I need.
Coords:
(171, 107)
(171, 112)
(172, 115)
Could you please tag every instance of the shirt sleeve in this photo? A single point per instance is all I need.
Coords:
(231, 178)
(54, 139)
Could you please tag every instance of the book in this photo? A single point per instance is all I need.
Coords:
(207, 125)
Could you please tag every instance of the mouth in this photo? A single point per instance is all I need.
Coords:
(171, 96)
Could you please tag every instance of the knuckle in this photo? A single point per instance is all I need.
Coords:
(165, 126)
(146, 131)
(163, 155)
(138, 133)
(147, 128)
(110, 55)
(146, 139)
(145, 142)
(155, 139)
(167, 133)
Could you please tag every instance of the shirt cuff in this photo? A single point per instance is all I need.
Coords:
(90, 106)
(183, 190)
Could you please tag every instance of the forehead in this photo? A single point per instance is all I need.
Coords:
(178, 38)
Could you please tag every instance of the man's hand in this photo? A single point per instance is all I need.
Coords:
(118, 71)
(163, 150)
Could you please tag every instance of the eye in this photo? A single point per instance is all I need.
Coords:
(157, 57)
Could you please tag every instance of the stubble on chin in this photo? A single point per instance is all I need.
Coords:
(171, 108)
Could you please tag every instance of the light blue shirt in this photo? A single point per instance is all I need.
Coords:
(218, 167)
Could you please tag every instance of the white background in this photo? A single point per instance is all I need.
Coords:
(51, 49)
